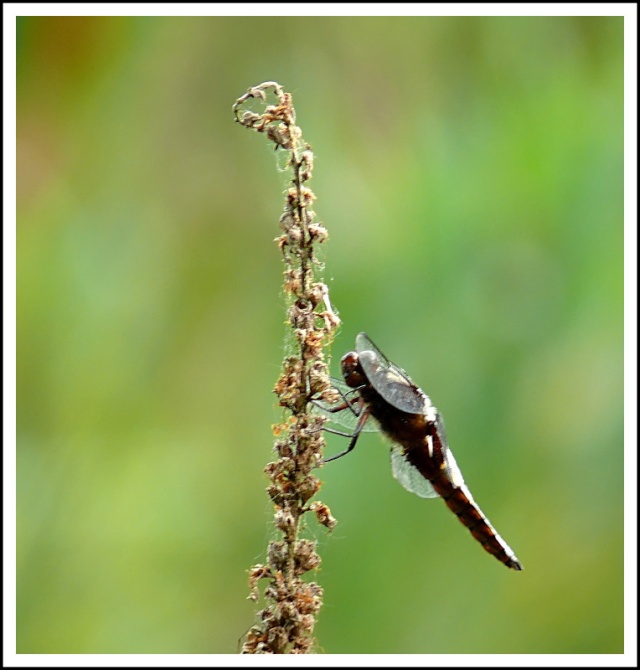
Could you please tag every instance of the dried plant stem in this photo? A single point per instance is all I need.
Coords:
(286, 623)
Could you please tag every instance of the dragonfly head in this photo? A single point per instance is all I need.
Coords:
(352, 371)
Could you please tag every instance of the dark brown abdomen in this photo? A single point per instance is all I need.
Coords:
(461, 503)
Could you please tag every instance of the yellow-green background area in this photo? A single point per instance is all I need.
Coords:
(470, 172)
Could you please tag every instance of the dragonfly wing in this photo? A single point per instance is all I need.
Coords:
(409, 476)
(343, 388)
(347, 417)
(390, 380)
(364, 343)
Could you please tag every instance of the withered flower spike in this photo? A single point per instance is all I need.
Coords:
(286, 623)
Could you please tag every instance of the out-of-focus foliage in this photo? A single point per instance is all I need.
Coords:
(469, 171)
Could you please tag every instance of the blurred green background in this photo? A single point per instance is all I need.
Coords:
(469, 171)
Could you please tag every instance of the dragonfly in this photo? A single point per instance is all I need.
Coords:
(379, 395)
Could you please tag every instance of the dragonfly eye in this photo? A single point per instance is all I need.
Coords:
(351, 370)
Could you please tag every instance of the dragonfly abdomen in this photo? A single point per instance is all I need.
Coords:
(458, 499)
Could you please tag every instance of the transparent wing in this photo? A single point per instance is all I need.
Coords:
(346, 417)
(389, 380)
(364, 343)
(409, 476)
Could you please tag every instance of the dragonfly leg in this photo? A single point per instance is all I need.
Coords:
(330, 410)
(333, 431)
(354, 437)
(335, 408)
(347, 404)
(353, 404)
